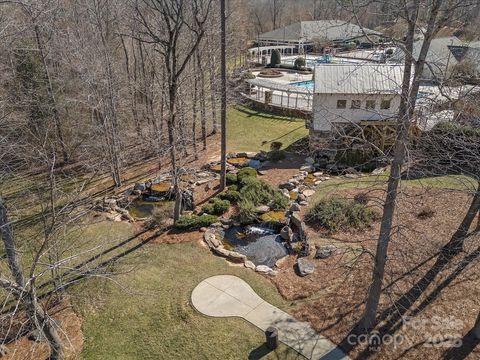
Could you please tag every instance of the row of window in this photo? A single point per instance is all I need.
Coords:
(369, 104)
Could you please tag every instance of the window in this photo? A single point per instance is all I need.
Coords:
(341, 104)
(356, 104)
(385, 105)
(370, 105)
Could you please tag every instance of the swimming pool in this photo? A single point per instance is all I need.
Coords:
(308, 84)
(312, 61)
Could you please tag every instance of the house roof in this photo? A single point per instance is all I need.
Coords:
(358, 79)
(305, 31)
(439, 53)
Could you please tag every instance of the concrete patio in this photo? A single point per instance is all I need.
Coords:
(228, 296)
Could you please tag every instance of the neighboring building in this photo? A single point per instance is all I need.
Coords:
(304, 34)
(347, 94)
(440, 59)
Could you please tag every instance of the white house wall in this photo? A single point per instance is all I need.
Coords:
(325, 111)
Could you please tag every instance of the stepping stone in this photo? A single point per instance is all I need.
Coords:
(228, 296)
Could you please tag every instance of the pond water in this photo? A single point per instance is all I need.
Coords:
(143, 208)
(261, 245)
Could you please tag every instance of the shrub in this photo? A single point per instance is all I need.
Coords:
(231, 179)
(275, 59)
(191, 222)
(247, 212)
(299, 63)
(361, 198)
(341, 214)
(230, 195)
(246, 172)
(279, 201)
(162, 216)
(276, 155)
(275, 145)
(261, 193)
(216, 206)
(233, 187)
(426, 213)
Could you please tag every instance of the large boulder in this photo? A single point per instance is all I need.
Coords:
(324, 252)
(262, 209)
(296, 219)
(295, 207)
(256, 164)
(308, 192)
(286, 233)
(305, 267)
(287, 185)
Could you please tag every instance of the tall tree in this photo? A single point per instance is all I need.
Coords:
(223, 109)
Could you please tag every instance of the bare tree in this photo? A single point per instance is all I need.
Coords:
(176, 29)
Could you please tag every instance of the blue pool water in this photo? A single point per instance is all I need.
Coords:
(309, 84)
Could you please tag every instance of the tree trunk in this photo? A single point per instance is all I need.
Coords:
(203, 117)
(36, 313)
(476, 328)
(51, 95)
(223, 117)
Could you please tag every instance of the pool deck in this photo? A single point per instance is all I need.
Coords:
(230, 296)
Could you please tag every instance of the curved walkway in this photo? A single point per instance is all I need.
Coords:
(226, 296)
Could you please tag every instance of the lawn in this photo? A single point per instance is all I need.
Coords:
(252, 130)
(145, 312)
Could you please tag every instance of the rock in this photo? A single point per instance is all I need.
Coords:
(256, 164)
(294, 207)
(3, 351)
(280, 261)
(136, 192)
(318, 173)
(263, 269)
(262, 172)
(140, 187)
(226, 221)
(324, 178)
(221, 251)
(251, 155)
(318, 182)
(249, 265)
(211, 239)
(37, 336)
(307, 168)
(303, 203)
(324, 252)
(305, 267)
(309, 160)
(296, 219)
(202, 181)
(208, 186)
(236, 257)
(351, 170)
(286, 233)
(262, 209)
(308, 192)
(351, 176)
(378, 171)
(110, 203)
(301, 198)
(287, 185)
(203, 229)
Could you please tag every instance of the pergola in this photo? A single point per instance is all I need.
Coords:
(267, 50)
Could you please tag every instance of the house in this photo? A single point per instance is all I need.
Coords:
(347, 94)
(304, 34)
(439, 61)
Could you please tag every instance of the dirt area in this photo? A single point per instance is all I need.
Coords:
(332, 298)
(71, 335)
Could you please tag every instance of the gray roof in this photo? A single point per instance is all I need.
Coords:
(305, 31)
(438, 53)
(358, 79)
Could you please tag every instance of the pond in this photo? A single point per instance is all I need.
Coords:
(261, 245)
(142, 208)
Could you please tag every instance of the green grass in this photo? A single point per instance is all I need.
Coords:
(145, 312)
(252, 130)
